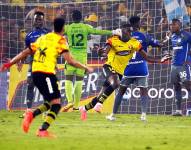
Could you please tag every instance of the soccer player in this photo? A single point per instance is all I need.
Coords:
(118, 51)
(37, 31)
(181, 60)
(136, 71)
(46, 49)
(77, 34)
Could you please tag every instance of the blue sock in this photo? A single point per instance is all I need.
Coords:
(144, 103)
(117, 102)
(178, 99)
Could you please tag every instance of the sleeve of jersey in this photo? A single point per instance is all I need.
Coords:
(34, 46)
(151, 41)
(138, 46)
(92, 30)
(63, 46)
(109, 41)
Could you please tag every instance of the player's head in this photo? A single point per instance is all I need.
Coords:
(59, 25)
(76, 16)
(135, 22)
(126, 32)
(175, 25)
(38, 19)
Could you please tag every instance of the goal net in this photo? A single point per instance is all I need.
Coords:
(16, 21)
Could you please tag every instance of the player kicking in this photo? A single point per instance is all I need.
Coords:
(77, 34)
(181, 61)
(136, 71)
(46, 49)
(118, 51)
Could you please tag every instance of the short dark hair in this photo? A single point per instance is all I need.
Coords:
(76, 15)
(39, 13)
(58, 24)
(134, 20)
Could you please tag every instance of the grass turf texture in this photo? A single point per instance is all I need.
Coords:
(127, 132)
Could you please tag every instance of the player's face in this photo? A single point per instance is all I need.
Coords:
(38, 21)
(126, 34)
(175, 26)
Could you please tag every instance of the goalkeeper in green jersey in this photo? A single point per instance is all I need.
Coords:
(77, 34)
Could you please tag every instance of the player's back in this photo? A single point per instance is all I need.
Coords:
(77, 34)
(137, 65)
(47, 48)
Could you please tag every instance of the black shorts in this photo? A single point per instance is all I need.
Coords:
(108, 71)
(47, 84)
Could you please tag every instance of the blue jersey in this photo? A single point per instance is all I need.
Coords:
(181, 44)
(35, 34)
(137, 66)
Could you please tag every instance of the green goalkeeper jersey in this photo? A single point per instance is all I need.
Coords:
(77, 34)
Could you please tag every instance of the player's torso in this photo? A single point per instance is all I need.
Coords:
(137, 65)
(120, 54)
(77, 34)
(32, 36)
(35, 34)
(45, 58)
(181, 48)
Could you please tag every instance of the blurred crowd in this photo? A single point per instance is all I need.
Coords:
(15, 18)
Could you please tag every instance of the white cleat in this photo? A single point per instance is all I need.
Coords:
(143, 117)
(111, 117)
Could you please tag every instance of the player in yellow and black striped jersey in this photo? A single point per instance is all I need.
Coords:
(46, 49)
(118, 50)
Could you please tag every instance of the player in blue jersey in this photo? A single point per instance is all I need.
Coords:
(181, 61)
(37, 31)
(137, 70)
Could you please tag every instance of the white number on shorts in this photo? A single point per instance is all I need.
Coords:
(134, 55)
(183, 74)
(49, 85)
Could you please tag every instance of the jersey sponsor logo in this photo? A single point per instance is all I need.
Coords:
(124, 53)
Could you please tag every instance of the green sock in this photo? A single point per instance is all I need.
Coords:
(77, 93)
(69, 90)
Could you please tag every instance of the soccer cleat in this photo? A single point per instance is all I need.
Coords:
(143, 117)
(83, 112)
(27, 121)
(178, 114)
(45, 133)
(67, 107)
(98, 107)
(111, 117)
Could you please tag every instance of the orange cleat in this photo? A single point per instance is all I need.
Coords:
(45, 134)
(83, 112)
(27, 121)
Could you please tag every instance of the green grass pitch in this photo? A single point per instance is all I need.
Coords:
(96, 133)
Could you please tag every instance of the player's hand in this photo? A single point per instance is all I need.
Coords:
(165, 58)
(19, 66)
(5, 67)
(89, 69)
(117, 32)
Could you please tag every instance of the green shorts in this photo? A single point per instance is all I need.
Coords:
(70, 70)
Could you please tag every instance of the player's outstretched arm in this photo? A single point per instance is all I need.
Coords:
(68, 57)
(16, 59)
(153, 59)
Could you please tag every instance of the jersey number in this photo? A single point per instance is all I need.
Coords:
(77, 40)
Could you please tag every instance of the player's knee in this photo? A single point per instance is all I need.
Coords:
(115, 84)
